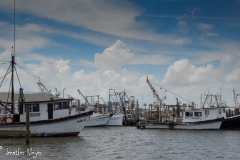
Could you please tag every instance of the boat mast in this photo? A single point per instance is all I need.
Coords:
(234, 98)
(13, 63)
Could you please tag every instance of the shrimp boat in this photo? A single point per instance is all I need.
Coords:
(188, 117)
(116, 120)
(192, 120)
(97, 119)
(232, 120)
(49, 117)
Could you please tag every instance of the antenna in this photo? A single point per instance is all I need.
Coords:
(14, 28)
(12, 64)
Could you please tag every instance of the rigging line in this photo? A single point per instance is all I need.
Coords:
(9, 91)
(30, 73)
(5, 81)
(49, 85)
(172, 93)
(5, 75)
(4, 61)
(18, 77)
(33, 75)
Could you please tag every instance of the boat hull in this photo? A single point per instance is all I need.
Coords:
(231, 123)
(115, 120)
(209, 125)
(97, 121)
(67, 126)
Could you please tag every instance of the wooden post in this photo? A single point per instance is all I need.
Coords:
(27, 124)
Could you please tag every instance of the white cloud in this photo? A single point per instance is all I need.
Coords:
(212, 34)
(27, 44)
(234, 76)
(118, 55)
(115, 18)
(182, 72)
(193, 10)
(204, 27)
(62, 66)
(182, 26)
(113, 57)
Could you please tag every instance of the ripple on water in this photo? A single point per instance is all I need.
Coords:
(130, 143)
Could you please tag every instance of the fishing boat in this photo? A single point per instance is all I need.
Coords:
(48, 117)
(116, 120)
(232, 120)
(199, 119)
(99, 117)
(98, 120)
(183, 117)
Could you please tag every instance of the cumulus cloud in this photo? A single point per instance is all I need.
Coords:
(231, 63)
(118, 55)
(182, 72)
(113, 57)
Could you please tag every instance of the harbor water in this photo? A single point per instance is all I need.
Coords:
(129, 143)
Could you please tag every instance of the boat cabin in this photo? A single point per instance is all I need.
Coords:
(203, 114)
(44, 110)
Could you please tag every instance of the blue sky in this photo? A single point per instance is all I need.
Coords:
(189, 47)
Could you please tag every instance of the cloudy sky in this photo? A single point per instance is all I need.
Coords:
(188, 47)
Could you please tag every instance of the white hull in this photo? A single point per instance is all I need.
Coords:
(115, 120)
(69, 126)
(194, 126)
(97, 120)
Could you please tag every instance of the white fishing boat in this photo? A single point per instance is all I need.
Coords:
(199, 119)
(116, 120)
(98, 120)
(47, 118)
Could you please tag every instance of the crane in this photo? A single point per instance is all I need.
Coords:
(157, 96)
(83, 97)
(155, 93)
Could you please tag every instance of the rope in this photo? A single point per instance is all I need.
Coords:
(5, 75)
(18, 77)
(173, 93)
(9, 91)
(4, 61)
(38, 78)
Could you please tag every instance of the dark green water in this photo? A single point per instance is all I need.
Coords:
(129, 143)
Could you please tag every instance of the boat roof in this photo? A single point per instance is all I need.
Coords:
(30, 97)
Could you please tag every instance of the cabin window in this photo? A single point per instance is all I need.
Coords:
(66, 105)
(188, 114)
(198, 114)
(224, 110)
(35, 108)
(219, 111)
(21, 109)
(206, 112)
(61, 105)
(56, 106)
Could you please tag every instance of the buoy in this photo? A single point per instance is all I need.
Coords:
(9, 119)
